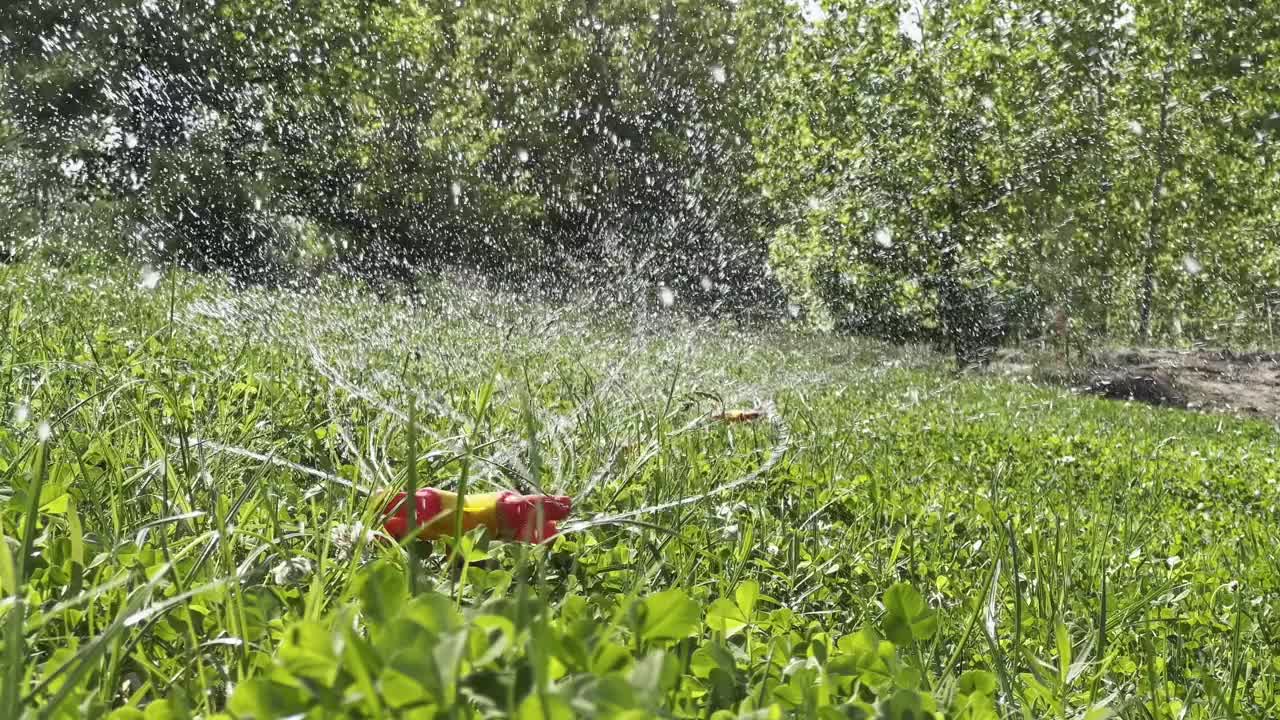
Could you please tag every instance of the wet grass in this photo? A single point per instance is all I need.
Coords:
(186, 476)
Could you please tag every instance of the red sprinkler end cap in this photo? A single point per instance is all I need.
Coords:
(519, 515)
(428, 505)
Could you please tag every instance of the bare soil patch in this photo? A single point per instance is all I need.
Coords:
(1245, 384)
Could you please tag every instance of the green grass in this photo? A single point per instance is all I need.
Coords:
(184, 534)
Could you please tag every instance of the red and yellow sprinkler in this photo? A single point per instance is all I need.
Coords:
(507, 515)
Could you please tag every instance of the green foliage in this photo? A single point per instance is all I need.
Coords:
(532, 136)
(907, 617)
(954, 170)
(151, 109)
(189, 539)
(426, 656)
(668, 615)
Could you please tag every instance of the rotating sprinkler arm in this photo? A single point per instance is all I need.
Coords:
(507, 515)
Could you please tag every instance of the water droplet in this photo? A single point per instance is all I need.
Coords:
(666, 296)
(291, 571)
(150, 279)
(909, 24)
(72, 168)
(522, 155)
(812, 12)
(1126, 20)
(884, 237)
(1191, 264)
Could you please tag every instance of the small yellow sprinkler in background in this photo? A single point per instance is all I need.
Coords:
(739, 415)
(729, 415)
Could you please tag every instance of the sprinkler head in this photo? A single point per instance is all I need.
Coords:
(531, 518)
(428, 507)
(507, 515)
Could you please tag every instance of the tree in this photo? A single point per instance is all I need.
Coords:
(916, 169)
(949, 170)
(1192, 152)
(160, 110)
(932, 139)
(13, 218)
(629, 123)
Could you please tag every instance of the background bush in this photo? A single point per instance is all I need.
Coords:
(901, 169)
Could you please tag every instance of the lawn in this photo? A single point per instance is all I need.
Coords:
(189, 475)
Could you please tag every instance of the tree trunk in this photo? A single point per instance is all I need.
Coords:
(954, 317)
(1152, 245)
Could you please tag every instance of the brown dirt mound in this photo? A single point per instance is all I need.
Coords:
(1209, 380)
(1154, 388)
